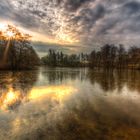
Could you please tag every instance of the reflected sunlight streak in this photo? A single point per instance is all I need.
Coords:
(59, 92)
(9, 99)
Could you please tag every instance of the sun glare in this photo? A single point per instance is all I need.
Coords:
(9, 99)
(3, 27)
(66, 38)
(60, 38)
(9, 34)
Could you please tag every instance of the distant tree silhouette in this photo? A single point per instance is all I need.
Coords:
(60, 59)
(111, 56)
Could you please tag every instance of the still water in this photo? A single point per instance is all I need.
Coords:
(69, 104)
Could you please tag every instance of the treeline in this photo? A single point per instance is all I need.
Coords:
(16, 51)
(109, 56)
(18, 56)
(60, 59)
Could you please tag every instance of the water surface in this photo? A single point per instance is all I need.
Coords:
(69, 104)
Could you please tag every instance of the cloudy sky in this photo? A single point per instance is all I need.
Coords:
(74, 25)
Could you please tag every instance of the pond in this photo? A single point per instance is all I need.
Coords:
(69, 104)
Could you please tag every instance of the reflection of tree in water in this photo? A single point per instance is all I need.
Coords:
(104, 78)
(20, 82)
(134, 80)
(129, 78)
(110, 80)
(58, 75)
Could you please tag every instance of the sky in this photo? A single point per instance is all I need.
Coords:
(74, 26)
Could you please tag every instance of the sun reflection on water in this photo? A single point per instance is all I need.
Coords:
(9, 99)
(12, 97)
(69, 103)
(59, 92)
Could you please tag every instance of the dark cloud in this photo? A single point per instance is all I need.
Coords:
(87, 17)
(73, 5)
(88, 20)
(5, 10)
(132, 7)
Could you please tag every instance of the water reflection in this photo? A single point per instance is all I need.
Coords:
(70, 104)
(23, 80)
(14, 86)
(56, 91)
(9, 99)
(110, 80)
(63, 74)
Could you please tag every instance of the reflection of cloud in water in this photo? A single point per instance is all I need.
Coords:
(69, 104)
(12, 98)
(55, 91)
(86, 114)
